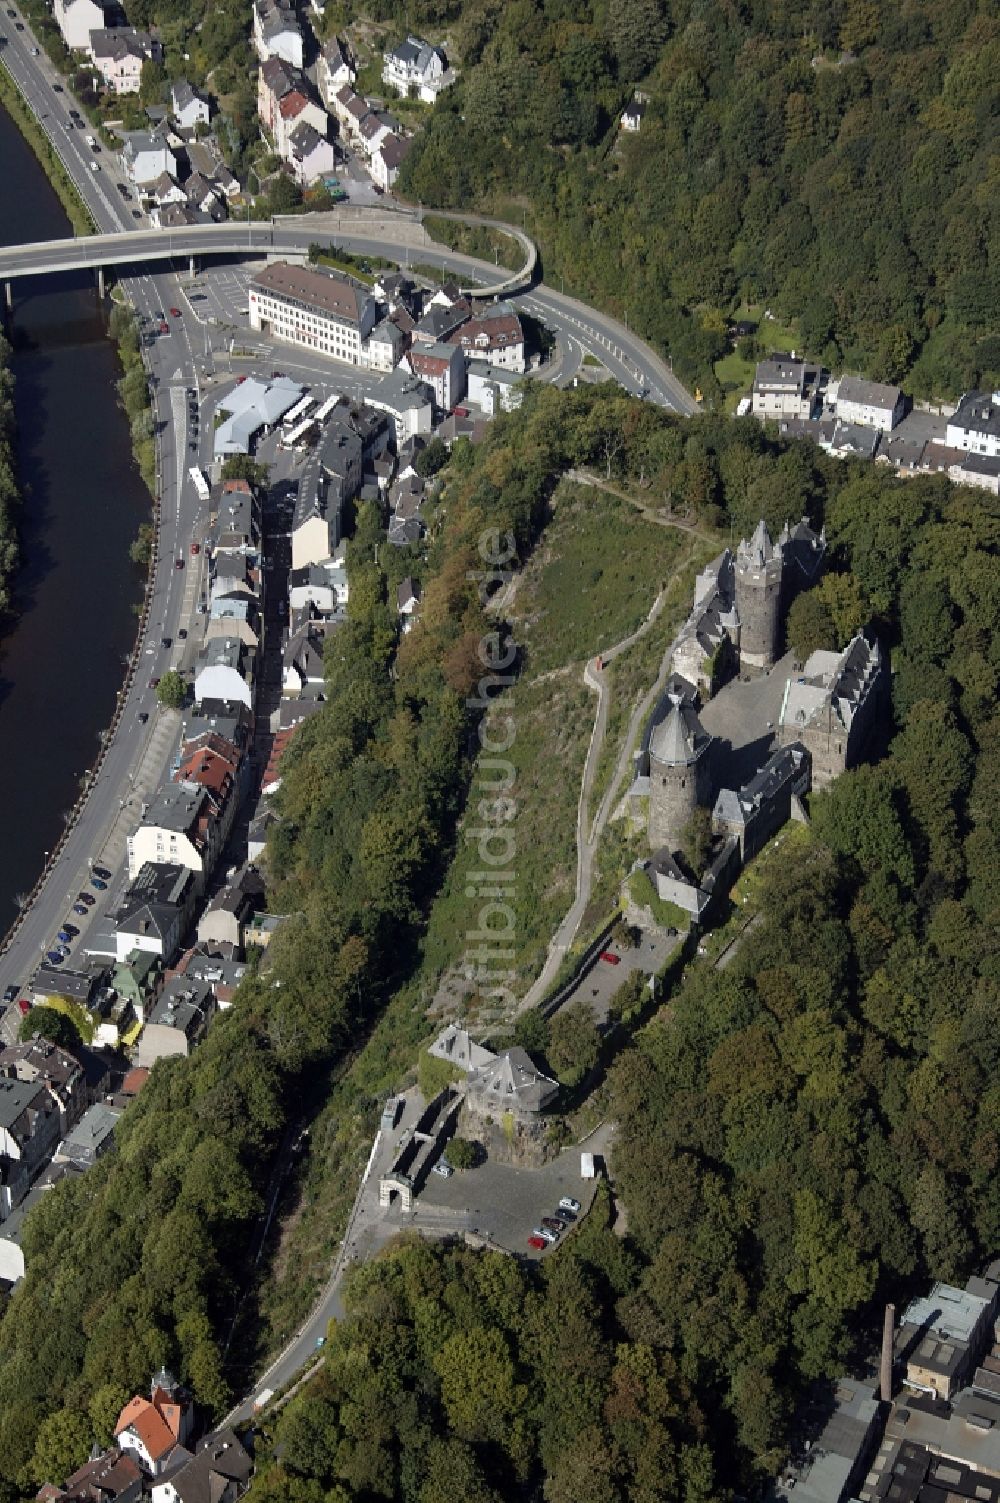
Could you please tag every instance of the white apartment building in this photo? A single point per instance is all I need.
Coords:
(869, 403)
(786, 387)
(314, 309)
(76, 19)
(975, 424)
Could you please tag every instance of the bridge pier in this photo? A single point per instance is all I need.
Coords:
(8, 296)
(192, 266)
(100, 282)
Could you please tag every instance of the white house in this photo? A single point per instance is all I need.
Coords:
(276, 32)
(442, 367)
(385, 346)
(408, 596)
(151, 1429)
(786, 387)
(495, 335)
(310, 155)
(386, 160)
(407, 400)
(76, 19)
(632, 114)
(225, 670)
(869, 403)
(416, 68)
(492, 389)
(119, 53)
(295, 109)
(975, 424)
(334, 68)
(187, 106)
(146, 155)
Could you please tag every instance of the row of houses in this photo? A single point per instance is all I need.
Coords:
(854, 418)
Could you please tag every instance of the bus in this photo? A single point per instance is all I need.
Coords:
(326, 409)
(298, 434)
(293, 417)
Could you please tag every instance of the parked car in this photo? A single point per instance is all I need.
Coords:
(443, 1168)
(166, 642)
(538, 1243)
(195, 549)
(153, 683)
(71, 929)
(553, 1225)
(98, 882)
(545, 1234)
(610, 958)
(566, 1217)
(178, 563)
(569, 1204)
(9, 993)
(136, 214)
(87, 898)
(54, 957)
(101, 871)
(164, 326)
(63, 937)
(79, 908)
(182, 634)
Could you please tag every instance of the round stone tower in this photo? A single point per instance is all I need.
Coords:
(679, 777)
(758, 578)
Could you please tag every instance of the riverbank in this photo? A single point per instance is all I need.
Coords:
(10, 494)
(13, 102)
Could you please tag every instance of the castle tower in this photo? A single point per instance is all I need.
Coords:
(759, 566)
(679, 777)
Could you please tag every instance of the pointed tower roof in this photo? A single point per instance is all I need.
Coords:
(760, 549)
(678, 739)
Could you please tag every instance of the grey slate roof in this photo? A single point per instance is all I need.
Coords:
(680, 738)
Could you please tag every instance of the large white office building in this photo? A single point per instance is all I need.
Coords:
(314, 309)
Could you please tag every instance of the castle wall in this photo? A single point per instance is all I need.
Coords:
(673, 797)
(758, 601)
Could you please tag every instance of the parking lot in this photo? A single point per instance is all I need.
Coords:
(504, 1202)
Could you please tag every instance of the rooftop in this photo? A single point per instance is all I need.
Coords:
(312, 288)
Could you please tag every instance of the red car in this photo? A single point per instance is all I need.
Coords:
(240, 380)
(195, 549)
(175, 313)
(164, 327)
(153, 683)
(539, 1244)
(24, 1006)
(610, 958)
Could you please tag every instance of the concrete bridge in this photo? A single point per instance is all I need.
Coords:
(373, 231)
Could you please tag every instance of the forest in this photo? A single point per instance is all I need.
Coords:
(835, 164)
(800, 1134)
(10, 496)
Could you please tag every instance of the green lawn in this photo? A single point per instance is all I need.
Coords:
(593, 579)
(736, 374)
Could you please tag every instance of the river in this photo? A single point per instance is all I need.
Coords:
(62, 661)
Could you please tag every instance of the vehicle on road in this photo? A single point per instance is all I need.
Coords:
(86, 898)
(182, 634)
(54, 957)
(90, 140)
(569, 1204)
(566, 1217)
(175, 313)
(538, 1243)
(195, 549)
(545, 1234)
(79, 908)
(390, 1112)
(153, 683)
(164, 326)
(101, 871)
(166, 642)
(9, 993)
(95, 166)
(136, 214)
(12, 13)
(18, 26)
(99, 883)
(443, 1168)
(264, 1397)
(320, 1341)
(57, 88)
(74, 114)
(610, 958)
(143, 717)
(178, 563)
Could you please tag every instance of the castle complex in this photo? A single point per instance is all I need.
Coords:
(830, 709)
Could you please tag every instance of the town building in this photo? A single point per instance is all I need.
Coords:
(110, 1477)
(496, 336)
(313, 309)
(309, 154)
(385, 346)
(387, 159)
(334, 68)
(152, 1429)
(297, 108)
(250, 410)
(276, 31)
(943, 1335)
(832, 1466)
(226, 669)
(757, 585)
(408, 401)
(633, 114)
(155, 911)
(29, 1128)
(442, 368)
(975, 424)
(225, 918)
(870, 404)
(220, 1472)
(145, 155)
(835, 707)
(510, 1083)
(76, 20)
(177, 1021)
(492, 388)
(119, 53)
(11, 1230)
(786, 387)
(189, 108)
(40, 1062)
(416, 70)
(91, 1138)
(408, 596)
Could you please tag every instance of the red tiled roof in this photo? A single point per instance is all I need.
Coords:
(293, 104)
(134, 1080)
(146, 1421)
